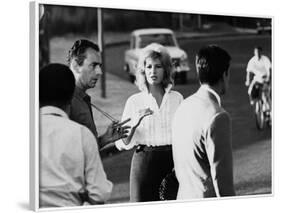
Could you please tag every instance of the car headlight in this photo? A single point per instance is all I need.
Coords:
(184, 60)
(183, 57)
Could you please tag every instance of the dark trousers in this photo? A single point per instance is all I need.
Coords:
(149, 166)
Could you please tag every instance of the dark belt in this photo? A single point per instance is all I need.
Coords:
(144, 148)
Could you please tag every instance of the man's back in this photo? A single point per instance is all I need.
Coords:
(70, 166)
(196, 152)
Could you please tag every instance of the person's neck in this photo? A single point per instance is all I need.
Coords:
(63, 107)
(80, 86)
(156, 90)
(217, 88)
(258, 56)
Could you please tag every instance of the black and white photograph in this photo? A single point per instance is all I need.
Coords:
(139, 106)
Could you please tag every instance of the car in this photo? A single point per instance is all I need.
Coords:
(140, 38)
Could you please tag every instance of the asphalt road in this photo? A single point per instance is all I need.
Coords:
(252, 148)
(236, 100)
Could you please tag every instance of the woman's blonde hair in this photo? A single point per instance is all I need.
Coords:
(154, 51)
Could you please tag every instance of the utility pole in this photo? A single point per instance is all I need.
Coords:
(44, 43)
(199, 22)
(181, 22)
(101, 45)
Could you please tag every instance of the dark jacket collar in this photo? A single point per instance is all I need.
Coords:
(80, 94)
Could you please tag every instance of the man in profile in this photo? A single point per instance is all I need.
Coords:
(201, 132)
(70, 168)
(85, 62)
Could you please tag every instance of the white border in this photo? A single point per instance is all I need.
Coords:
(36, 116)
(144, 8)
(32, 158)
(273, 115)
(15, 105)
(34, 106)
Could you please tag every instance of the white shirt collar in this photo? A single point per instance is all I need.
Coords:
(168, 88)
(150, 96)
(208, 88)
(52, 110)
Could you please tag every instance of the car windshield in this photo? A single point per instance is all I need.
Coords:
(164, 39)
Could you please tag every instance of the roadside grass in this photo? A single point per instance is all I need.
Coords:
(253, 169)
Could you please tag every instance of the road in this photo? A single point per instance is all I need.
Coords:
(252, 148)
(236, 101)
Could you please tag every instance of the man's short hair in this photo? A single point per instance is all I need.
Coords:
(56, 85)
(78, 50)
(211, 63)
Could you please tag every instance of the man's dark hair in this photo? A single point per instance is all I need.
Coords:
(78, 50)
(56, 85)
(211, 63)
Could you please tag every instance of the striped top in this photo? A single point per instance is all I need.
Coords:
(155, 129)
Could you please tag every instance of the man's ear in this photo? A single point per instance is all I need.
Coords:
(74, 66)
(224, 76)
(227, 72)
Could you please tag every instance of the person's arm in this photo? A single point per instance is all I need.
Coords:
(126, 142)
(97, 185)
(249, 70)
(268, 69)
(247, 82)
(219, 152)
(141, 115)
(130, 112)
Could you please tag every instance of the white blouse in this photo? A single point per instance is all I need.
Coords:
(155, 129)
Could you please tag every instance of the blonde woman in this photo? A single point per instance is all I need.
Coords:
(151, 136)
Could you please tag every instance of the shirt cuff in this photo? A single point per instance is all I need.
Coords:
(121, 146)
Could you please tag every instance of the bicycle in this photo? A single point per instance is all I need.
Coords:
(261, 95)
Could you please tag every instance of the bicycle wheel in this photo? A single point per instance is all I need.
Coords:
(259, 115)
(269, 120)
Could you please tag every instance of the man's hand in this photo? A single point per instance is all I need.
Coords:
(114, 132)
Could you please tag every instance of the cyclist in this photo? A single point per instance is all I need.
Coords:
(260, 67)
